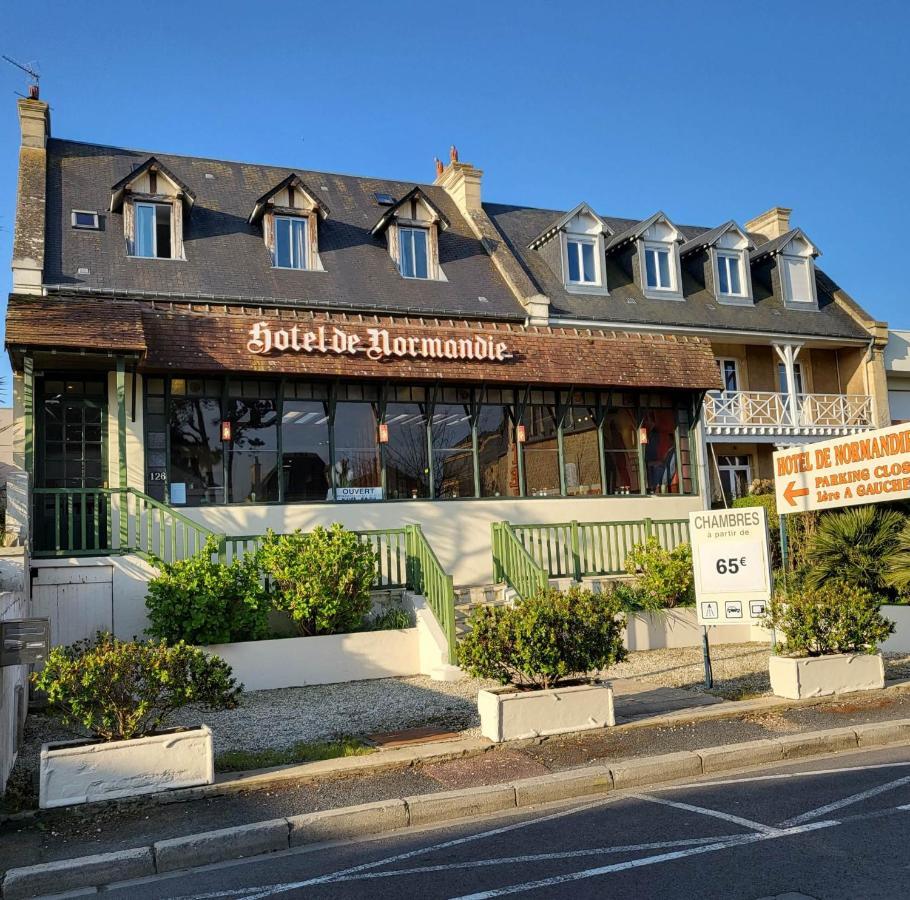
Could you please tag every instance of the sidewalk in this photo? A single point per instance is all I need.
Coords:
(654, 721)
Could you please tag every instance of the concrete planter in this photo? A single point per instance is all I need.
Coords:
(508, 714)
(818, 676)
(83, 772)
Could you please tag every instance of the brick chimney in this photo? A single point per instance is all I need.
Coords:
(771, 224)
(31, 200)
(461, 181)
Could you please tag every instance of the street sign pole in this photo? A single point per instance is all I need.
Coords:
(706, 654)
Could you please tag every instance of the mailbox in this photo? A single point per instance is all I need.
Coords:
(24, 641)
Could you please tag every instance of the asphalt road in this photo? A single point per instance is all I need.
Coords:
(835, 828)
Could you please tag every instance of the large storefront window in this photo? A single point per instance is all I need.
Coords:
(305, 461)
(357, 461)
(196, 463)
(453, 451)
(497, 452)
(541, 451)
(661, 461)
(252, 452)
(407, 471)
(621, 460)
(580, 449)
(266, 441)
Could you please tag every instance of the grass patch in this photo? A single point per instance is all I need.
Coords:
(303, 752)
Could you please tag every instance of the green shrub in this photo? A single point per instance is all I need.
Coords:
(549, 638)
(857, 546)
(322, 579)
(834, 618)
(898, 569)
(123, 689)
(204, 602)
(764, 499)
(664, 577)
(392, 617)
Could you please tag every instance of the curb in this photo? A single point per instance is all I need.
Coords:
(427, 809)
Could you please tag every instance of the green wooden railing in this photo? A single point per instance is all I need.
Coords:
(579, 549)
(426, 577)
(108, 521)
(513, 564)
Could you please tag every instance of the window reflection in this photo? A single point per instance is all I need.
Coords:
(660, 451)
(497, 453)
(356, 446)
(541, 451)
(407, 472)
(196, 451)
(252, 463)
(582, 458)
(305, 447)
(453, 454)
(620, 436)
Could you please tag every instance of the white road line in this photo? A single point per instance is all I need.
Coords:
(845, 801)
(644, 861)
(535, 857)
(274, 889)
(714, 813)
(747, 779)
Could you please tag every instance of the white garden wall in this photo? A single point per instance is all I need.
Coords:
(899, 642)
(676, 628)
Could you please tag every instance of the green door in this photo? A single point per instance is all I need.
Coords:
(71, 459)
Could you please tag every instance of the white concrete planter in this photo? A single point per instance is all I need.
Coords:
(818, 676)
(508, 714)
(82, 772)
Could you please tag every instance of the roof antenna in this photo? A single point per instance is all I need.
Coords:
(29, 70)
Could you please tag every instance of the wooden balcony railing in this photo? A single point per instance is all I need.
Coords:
(745, 412)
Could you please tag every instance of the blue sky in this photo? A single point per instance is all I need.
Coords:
(708, 111)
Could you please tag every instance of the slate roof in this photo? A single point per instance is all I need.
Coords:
(708, 238)
(626, 304)
(226, 257)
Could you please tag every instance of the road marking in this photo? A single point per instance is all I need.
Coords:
(444, 845)
(645, 861)
(845, 801)
(534, 857)
(714, 813)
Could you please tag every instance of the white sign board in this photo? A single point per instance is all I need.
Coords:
(871, 467)
(357, 494)
(732, 565)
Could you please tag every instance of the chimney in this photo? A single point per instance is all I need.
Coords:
(461, 181)
(28, 237)
(771, 224)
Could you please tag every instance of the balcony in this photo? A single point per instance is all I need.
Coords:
(765, 415)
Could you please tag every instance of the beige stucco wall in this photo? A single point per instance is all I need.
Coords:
(458, 530)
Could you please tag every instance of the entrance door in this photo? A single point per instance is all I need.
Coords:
(71, 459)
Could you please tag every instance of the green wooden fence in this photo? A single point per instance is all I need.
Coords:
(70, 522)
(580, 549)
(513, 564)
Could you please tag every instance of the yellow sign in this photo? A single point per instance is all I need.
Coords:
(871, 467)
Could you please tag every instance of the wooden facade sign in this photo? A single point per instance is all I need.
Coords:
(377, 344)
(866, 468)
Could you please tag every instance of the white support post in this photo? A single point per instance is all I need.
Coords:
(788, 354)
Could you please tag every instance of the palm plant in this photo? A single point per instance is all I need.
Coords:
(899, 563)
(859, 546)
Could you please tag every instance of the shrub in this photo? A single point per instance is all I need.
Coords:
(834, 618)
(898, 568)
(767, 500)
(392, 617)
(322, 579)
(549, 638)
(204, 602)
(856, 546)
(124, 689)
(664, 577)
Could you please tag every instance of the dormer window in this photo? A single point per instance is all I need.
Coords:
(793, 273)
(411, 227)
(581, 266)
(290, 242)
(797, 279)
(658, 267)
(290, 213)
(729, 279)
(153, 201)
(153, 224)
(413, 255)
(574, 245)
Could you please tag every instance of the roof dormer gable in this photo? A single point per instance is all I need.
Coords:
(411, 227)
(720, 258)
(152, 180)
(793, 268)
(291, 194)
(651, 247)
(581, 220)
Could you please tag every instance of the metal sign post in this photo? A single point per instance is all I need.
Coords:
(706, 656)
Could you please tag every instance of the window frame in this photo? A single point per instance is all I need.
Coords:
(154, 204)
(674, 290)
(595, 243)
(721, 363)
(412, 229)
(728, 258)
(292, 220)
(95, 226)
